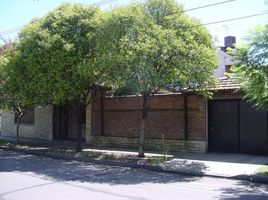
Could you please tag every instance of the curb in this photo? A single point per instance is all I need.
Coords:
(62, 156)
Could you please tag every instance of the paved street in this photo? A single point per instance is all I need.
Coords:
(30, 177)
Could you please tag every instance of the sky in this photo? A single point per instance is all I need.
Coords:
(17, 13)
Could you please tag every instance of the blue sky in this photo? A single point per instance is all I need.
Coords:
(16, 13)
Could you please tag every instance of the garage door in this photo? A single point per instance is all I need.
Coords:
(234, 126)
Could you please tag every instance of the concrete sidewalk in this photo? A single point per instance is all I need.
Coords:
(215, 164)
(207, 164)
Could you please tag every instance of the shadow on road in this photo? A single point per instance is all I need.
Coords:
(254, 191)
(61, 170)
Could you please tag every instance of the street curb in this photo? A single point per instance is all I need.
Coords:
(62, 156)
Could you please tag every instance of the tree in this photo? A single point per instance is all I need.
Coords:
(251, 68)
(13, 92)
(59, 59)
(157, 44)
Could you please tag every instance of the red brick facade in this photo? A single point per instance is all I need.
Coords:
(121, 117)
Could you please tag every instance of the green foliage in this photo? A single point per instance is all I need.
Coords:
(156, 43)
(263, 171)
(252, 67)
(4, 143)
(14, 93)
(59, 56)
(62, 56)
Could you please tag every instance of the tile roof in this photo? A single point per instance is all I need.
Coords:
(226, 83)
(5, 47)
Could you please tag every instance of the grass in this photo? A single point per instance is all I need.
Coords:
(13, 144)
(263, 171)
(99, 155)
(133, 158)
(112, 156)
(159, 159)
(60, 149)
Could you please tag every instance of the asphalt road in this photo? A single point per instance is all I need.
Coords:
(29, 177)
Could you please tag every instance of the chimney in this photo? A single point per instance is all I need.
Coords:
(229, 41)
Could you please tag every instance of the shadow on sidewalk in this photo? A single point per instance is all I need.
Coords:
(61, 170)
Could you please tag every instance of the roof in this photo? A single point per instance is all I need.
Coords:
(226, 83)
(5, 47)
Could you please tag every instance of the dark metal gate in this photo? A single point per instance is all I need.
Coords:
(234, 126)
(60, 129)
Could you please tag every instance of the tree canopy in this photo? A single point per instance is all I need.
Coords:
(57, 57)
(252, 66)
(66, 55)
(158, 43)
(155, 44)
(59, 54)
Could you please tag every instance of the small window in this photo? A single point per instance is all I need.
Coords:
(228, 68)
(28, 116)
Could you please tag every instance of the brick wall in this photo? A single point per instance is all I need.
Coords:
(196, 118)
(122, 115)
(42, 128)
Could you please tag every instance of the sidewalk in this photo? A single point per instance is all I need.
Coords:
(239, 166)
(234, 166)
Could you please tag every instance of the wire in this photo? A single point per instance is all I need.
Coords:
(232, 19)
(209, 5)
(14, 30)
(11, 30)
(100, 3)
(204, 24)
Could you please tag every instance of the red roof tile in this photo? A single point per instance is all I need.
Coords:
(5, 47)
(227, 83)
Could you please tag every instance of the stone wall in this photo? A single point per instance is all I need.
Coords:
(42, 128)
(150, 144)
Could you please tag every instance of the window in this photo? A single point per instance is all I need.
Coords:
(228, 68)
(28, 117)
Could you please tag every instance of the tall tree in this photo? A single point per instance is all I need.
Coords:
(252, 66)
(59, 59)
(156, 44)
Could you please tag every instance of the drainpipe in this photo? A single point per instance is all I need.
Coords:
(185, 116)
(102, 113)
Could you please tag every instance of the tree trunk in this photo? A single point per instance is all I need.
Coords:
(18, 128)
(142, 138)
(77, 111)
(145, 109)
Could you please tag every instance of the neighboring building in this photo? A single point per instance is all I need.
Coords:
(42, 123)
(37, 124)
(5, 47)
(225, 60)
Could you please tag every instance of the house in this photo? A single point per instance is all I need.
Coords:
(180, 122)
(183, 122)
